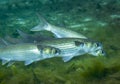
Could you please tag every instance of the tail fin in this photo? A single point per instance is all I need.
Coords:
(44, 25)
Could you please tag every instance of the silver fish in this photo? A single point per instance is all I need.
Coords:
(28, 53)
(71, 47)
(59, 32)
(67, 48)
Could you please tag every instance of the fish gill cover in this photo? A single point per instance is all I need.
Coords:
(96, 19)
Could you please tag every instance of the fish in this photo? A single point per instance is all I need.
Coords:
(67, 48)
(71, 47)
(27, 53)
(69, 42)
(59, 32)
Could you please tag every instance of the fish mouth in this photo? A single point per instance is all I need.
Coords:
(99, 52)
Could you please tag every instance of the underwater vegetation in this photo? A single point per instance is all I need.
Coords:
(97, 19)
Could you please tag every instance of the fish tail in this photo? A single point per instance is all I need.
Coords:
(44, 25)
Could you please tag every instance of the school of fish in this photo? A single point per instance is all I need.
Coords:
(66, 44)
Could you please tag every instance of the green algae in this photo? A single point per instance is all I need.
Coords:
(85, 71)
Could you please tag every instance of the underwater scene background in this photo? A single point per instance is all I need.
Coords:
(96, 19)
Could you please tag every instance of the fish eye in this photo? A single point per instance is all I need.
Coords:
(103, 52)
(98, 44)
(100, 52)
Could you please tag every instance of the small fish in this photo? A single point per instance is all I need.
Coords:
(59, 32)
(28, 53)
(67, 48)
(71, 47)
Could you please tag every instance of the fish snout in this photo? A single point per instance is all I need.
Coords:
(95, 46)
(99, 52)
(96, 49)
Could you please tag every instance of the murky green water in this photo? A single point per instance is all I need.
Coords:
(96, 19)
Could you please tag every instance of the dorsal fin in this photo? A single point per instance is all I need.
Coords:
(41, 18)
(22, 34)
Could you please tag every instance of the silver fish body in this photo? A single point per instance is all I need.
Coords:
(59, 32)
(26, 52)
(67, 48)
(71, 47)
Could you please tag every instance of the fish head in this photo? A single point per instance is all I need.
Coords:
(91, 47)
(99, 52)
(95, 48)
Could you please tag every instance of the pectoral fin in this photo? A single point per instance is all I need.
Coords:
(10, 63)
(28, 62)
(5, 61)
(66, 59)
